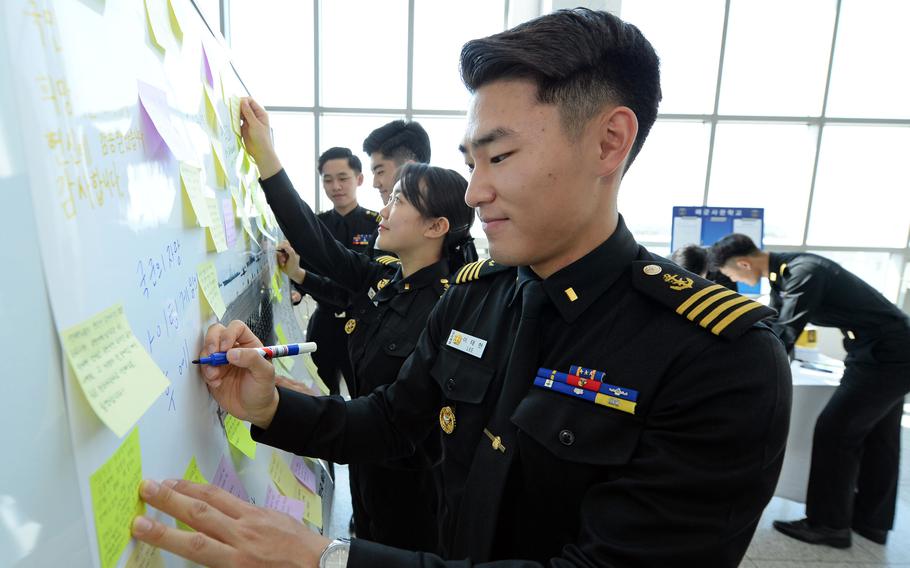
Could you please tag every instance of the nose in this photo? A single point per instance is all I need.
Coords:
(480, 190)
(384, 212)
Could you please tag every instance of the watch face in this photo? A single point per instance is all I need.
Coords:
(337, 556)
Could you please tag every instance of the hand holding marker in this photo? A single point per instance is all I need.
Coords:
(220, 358)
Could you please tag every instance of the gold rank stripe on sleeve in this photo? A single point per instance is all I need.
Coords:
(476, 270)
(386, 259)
(721, 311)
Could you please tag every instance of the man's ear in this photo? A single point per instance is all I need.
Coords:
(359, 179)
(616, 131)
(437, 228)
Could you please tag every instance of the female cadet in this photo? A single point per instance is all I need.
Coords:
(427, 225)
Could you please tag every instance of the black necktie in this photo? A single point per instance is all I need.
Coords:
(498, 444)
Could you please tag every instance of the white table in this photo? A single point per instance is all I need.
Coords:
(811, 391)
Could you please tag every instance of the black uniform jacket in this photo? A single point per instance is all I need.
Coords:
(807, 288)
(680, 480)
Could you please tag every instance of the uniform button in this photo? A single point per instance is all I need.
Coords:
(450, 384)
(566, 437)
(393, 346)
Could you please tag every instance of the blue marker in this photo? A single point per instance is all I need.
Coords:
(220, 358)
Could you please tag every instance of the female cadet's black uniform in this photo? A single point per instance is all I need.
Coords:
(395, 501)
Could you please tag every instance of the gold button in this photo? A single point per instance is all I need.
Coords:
(350, 325)
(447, 419)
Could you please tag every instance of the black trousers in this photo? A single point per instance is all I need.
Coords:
(331, 356)
(856, 449)
(396, 507)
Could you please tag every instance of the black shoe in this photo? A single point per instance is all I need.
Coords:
(878, 536)
(817, 534)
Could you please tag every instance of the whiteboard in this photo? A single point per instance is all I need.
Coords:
(106, 209)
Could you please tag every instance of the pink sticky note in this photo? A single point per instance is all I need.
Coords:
(226, 478)
(209, 78)
(304, 474)
(154, 103)
(230, 227)
(287, 505)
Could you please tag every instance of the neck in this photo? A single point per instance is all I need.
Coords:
(347, 209)
(583, 243)
(413, 261)
(763, 262)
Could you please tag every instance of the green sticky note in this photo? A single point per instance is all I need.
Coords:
(220, 169)
(239, 436)
(279, 333)
(145, 556)
(115, 499)
(151, 24)
(208, 281)
(287, 483)
(276, 288)
(191, 180)
(118, 377)
(313, 371)
(193, 474)
(216, 228)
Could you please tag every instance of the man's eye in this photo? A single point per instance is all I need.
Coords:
(499, 158)
(470, 167)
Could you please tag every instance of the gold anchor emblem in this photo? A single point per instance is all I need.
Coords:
(677, 283)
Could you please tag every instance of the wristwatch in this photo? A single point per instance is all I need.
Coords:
(335, 554)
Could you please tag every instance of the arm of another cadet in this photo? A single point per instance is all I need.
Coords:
(707, 462)
(306, 233)
(801, 292)
(320, 288)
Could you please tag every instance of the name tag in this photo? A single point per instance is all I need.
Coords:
(466, 343)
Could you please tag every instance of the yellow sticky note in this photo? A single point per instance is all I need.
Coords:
(191, 179)
(116, 374)
(115, 499)
(276, 287)
(145, 556)
(279, 333)
(314, 373)
(235, 114)
(193, 474)
(220, 170)
(287, 483)
(216, 227)
(239, 436)
(286, 364)
(175, 23)
(245, 164)
(211, 115)
(150, 22)
(208, 281)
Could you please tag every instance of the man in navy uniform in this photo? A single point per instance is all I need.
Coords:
(599, 405)
(856, 446)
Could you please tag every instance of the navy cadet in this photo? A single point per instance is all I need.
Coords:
(854, 475)
(694, 258)
(427, 224)
(599, 405)
(351, 225)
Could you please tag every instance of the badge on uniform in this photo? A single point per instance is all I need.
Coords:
(466, 343)
(350, 325)
(592, 390)
(447, 419)
(362, 239)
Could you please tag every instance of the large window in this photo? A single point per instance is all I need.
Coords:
(802, 108)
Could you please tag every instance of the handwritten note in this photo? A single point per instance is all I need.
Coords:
(154, 103)
(287, 505)
(304, 473)
(191, 180)
(235, 114)
(230, 225)
(116, 374)
(115, 499)
(145, 556)
(216, 228)
(238, 434)
(227, 479)
(287, 483)
(220, 169)
(208, 281)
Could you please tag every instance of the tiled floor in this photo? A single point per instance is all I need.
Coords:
(769, 548)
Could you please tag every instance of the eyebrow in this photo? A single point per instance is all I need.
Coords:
(488, 138)
(376, 167)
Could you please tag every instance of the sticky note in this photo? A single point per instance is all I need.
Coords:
(191, 180)
(279, 333)
(207, 69)
(284, 478)
(238, 434)
(151, 23)
(116, 374)
(154, 103)
(260, 224)
(211, 114)
(276, 288)
(287, 505)
(115, 499)
(314, 373)
(175, 22)
(208, 281)
(235, 114)
(237, 196)
(230, 225)
(220, 170)
(145, 556)
(245, 222)
(216, 227)
(226, 478)
(285, 364)
(304, 473)
(193, 474)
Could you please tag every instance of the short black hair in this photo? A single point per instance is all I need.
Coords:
(581, 61)
(731, 246)
(691, 257)
(400, 141)
(339, 153)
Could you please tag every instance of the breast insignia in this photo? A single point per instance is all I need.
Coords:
(350, 325)
(721, 311)
(447, 419)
